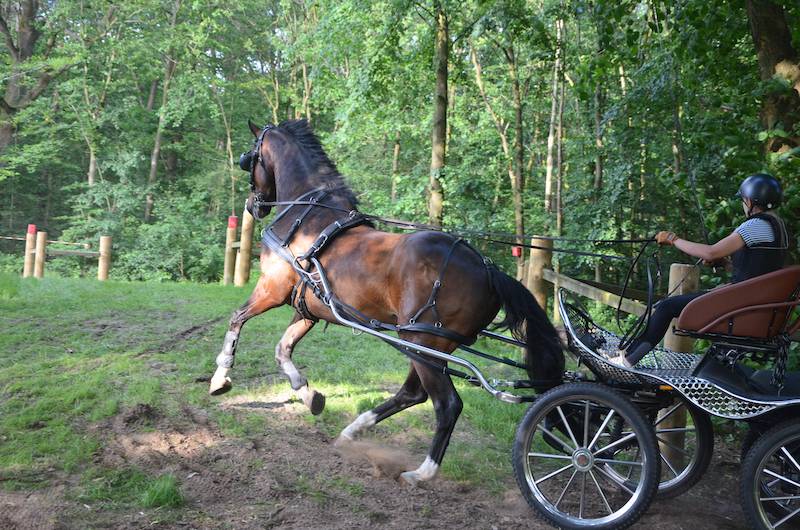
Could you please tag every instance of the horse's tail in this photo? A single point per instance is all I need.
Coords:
(544, 355)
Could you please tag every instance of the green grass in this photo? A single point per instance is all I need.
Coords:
(74, 353)
(163, 491)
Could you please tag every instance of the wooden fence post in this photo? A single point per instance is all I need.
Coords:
(30, 249)
(230, 251)
(243, 258)
(683, 279)
(540, 259)
(104, 261)
(41, 255)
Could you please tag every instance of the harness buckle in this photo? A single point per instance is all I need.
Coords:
(412, 321)
(437, 284)
(438, 323)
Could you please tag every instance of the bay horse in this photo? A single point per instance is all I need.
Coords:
(436, 290)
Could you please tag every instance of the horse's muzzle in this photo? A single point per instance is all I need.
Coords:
(257, 210)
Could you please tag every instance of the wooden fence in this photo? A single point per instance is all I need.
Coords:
(36, 252)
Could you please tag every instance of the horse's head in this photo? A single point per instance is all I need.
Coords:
(259, 163)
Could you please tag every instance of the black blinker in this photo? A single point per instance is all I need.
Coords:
(246, 161)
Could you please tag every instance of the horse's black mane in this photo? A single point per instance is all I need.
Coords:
(327, 174)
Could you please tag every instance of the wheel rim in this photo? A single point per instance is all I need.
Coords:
(569, 452)
(677, 460)
(777, 485)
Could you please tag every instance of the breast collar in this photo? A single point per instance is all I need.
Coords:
(311, 199)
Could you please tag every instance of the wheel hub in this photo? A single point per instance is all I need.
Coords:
(582, 459)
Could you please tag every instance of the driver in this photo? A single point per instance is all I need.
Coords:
(756, 247)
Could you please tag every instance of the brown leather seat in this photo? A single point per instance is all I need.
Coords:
(756, 308)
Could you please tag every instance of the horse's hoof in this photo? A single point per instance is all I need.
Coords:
(218, 388)
(315, 402)
(342, 441)
(410, 477)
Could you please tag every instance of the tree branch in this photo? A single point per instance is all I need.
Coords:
(9, 41)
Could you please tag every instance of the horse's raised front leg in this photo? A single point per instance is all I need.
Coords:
(271, 291)
(283, 356)
(410, 394)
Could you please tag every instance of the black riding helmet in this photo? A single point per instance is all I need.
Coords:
(763, 190)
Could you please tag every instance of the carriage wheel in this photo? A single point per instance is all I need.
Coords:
(683, 461)
(770, 484)
(567, 443)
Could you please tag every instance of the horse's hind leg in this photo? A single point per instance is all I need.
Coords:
(410, 394)
(446, 403)
(283, 356)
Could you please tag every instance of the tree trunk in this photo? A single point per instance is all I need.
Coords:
(307, 86)
(395, 165)
(560, 161)
(517, 182)
(439, 128)
(169, 71)
(92, 173)
(776, 56)
(551, 136)
(20, 89)
(151, 98)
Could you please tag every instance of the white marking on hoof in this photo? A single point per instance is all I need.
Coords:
(220, 382)
(365, 420)
(426, 471)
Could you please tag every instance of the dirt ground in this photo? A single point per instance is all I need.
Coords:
(294, 477)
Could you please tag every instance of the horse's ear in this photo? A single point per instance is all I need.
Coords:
(255, 129)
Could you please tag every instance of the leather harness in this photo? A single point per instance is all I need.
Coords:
(312, 280)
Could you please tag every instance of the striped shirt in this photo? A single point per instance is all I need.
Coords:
(755, 231)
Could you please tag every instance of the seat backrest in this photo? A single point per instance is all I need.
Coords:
(736, 301)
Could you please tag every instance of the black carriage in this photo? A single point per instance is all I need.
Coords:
(595, 451)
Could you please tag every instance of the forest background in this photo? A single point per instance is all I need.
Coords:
(576, 118)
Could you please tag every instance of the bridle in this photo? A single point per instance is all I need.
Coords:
(248, 162)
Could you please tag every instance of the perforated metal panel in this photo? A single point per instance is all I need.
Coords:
(592, 345)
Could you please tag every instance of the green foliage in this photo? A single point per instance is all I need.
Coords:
(677, 89)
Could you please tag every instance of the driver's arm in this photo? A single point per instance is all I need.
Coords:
(710, 253)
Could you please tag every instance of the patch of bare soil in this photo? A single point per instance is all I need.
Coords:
(292, 476)
(40, 510)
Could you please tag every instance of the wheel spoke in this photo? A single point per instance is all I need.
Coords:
(790, 457)
(586, 424)
(614, 444)
(614, 480)
(601, 429)
(613, 462)
(664, 459)
(553, 474)
(781, 477)
(682, 451)
(569, 449)
(548, 455)
(560, 497)
(668, 414)
(602, 495)
(676, 429)
(785, 498)
(583, 495)
(776, 525)
(566, 424)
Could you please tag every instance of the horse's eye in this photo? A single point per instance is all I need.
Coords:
(246, 161)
